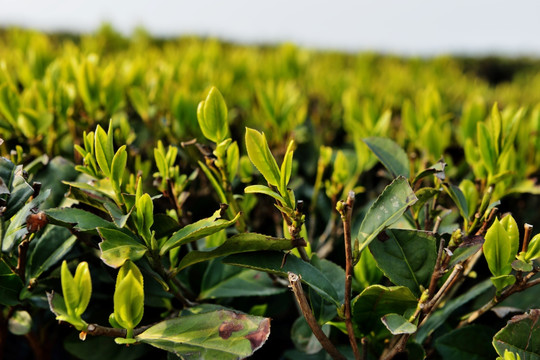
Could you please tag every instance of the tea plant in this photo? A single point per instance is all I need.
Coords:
(181, 223)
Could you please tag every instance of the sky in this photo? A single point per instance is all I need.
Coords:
(406, 27)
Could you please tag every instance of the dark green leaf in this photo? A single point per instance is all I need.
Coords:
(376, 301)
(303, 338)
(387, 209)
(77, 219)
(458, 198)
(366, 271)
(437, 169)
(197, 230)
(240, 243)
(390, 154)
(17, 226)
(471, 342)
(48, 249)
(423, 195)
(10, 285)
(407, 257)
(51, 177)
(271, 262)
(20, 193)
(117, 215)
(221, 334)
(234, 282)
(440, 316)
(520, 336)
(466, 250)
(102, 347)
(323, 310)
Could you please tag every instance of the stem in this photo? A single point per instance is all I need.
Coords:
(296, 286)
(158, 267)
(364, 343)
(326, 240)
(458, 269)
(437, 273)
(526, 237)
(98, 330)
(345, 209)
(483, 206)
(37, 347)
(21, 261)
(397, 347)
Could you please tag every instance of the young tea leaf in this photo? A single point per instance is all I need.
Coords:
(117, 247)
(260, 155)
(212, 116)
(497, 250)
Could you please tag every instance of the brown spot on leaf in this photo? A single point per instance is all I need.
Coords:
(383, 236)
(228, 327)
(258, 337)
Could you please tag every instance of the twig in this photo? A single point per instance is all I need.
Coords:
(21, 261)
(345, 210)
(439, 269)
(98, 330)
(296, 286)
(158, 267)
(526, 236)
(364, 343)
(432, 304)
(396, 347)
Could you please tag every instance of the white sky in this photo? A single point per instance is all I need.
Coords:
(411, 27)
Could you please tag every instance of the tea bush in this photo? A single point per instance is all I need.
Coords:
(365, 206)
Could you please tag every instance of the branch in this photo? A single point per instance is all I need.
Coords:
(345, 210)
(296, 286)
(21, 261)
(98, 330)
(518, 286)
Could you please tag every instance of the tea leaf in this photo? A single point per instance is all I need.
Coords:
(471, 342)
(376, 301)
(212, 116)
(407, 257)
(397, 324)
(390, 154)
(197, 230)
(77, 219)
(520, 336)
(272, 262)
(117, 247)
(221, 334)
(260, 155)
(240, 243)
(387, 209)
